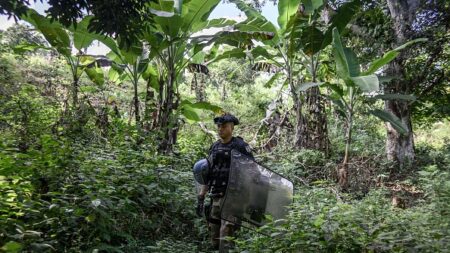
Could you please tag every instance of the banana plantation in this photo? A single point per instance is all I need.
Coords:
(108, 109)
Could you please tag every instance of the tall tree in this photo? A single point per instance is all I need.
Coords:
(406, 17)
(296, 49)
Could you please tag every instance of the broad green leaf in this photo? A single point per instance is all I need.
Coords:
(170, 26)
(236, 38)
(85, 60)
(347, 64)
(25, 47)
(107, 41)
(272, 80)
(162, 7)
(395, 122)
(249, 11)
(142, 66)
(116, 76)
(12, 247)
(286, 9)
(338, 101)
(308, 85)
(342, 67)
(152, 76)
(255, 21)
(395, 97)
(294, 32)
(213, 23)
(312, 39)
(206, 106)
(132, 53)
(377, 64)
(389, 56)
(113, 75)
(80, 39)
(190, 113)
(311, 5)
(156, 41)
(353, 63)
(256, 25)
(198, 58)
(343, 16)
(366, 83)
(196, 11)
(79, 70)
(95, 74)
(149, 72)
(233, 53)
(335, 88)
(261, 51)
(53, 32)
(409, 43)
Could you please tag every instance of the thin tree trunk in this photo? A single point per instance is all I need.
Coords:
(348, 139)
(149, 96)
(342, 171)
(298, 111)
(75, 93)
(137, 115)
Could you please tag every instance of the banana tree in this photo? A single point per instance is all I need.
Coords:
(172, 45)
(356, 85)
(296, 49)
(60, 39)
(130, 64)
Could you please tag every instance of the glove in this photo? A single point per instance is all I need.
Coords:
(200, 205)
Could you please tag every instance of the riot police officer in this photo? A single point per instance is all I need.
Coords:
(216, 179)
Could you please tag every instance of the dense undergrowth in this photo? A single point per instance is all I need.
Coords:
(75, 196)
(72, 197)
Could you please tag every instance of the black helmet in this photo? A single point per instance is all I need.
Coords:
(201, 171)
(224, 118)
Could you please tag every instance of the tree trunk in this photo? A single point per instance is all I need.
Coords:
(168, 128)
(298, 122)
(149, 106)
(137, 115)
(298, 112)
(75, 93)
(315, 133)
(342, 170)
(400, 148)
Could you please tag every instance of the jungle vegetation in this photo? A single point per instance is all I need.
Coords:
(350, 100)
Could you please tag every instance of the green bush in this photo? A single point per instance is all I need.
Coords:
(320, 222)
(88, 197)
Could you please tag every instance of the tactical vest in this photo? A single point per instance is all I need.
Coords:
(220, 158)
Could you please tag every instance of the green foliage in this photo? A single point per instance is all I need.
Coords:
(320, 222)
(104, 199)
(87, 179)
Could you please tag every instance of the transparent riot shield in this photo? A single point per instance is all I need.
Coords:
(254, 192)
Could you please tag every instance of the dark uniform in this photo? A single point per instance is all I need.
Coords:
(220, 158)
